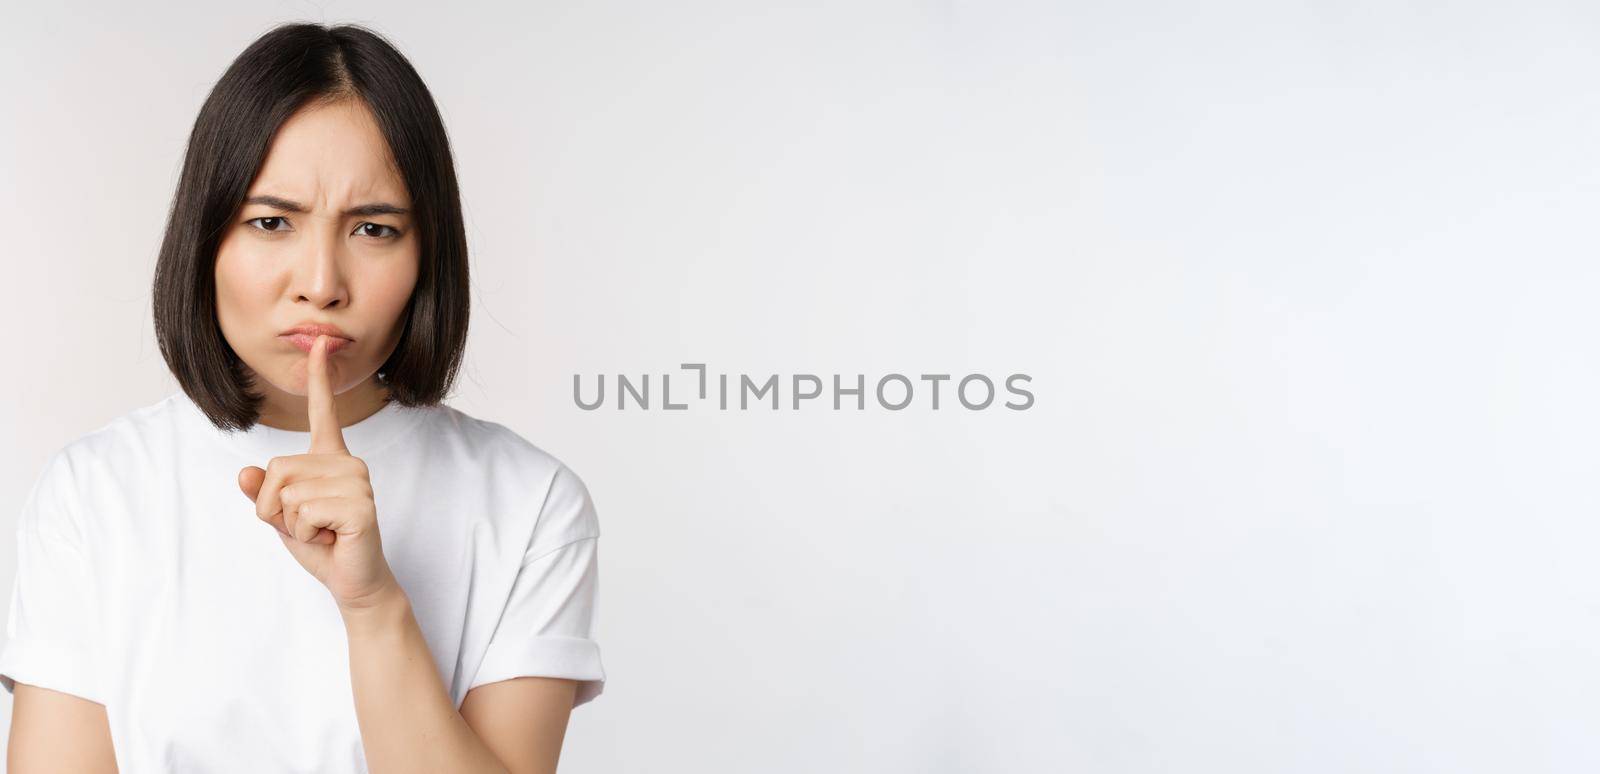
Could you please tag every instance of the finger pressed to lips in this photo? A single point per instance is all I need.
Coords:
(323, 417)
(305, 342)
(326, 471)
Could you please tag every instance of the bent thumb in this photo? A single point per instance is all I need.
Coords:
(250, 480)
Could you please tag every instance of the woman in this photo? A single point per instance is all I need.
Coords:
(302, 561)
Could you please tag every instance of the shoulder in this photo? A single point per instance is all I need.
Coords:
(487, 445)
(93, 463)
(518, 471)
(120, 444)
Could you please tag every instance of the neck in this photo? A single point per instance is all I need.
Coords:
(285, 411)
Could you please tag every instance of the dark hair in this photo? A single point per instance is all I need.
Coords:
(283, 70)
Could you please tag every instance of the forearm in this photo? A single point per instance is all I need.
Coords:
(407, 719)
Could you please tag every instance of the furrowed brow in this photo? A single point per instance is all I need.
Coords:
(286, 205)
(376, 208)
(276, 202)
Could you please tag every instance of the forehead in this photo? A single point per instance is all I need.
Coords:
(328, 155)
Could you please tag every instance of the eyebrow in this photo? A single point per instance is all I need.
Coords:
(286, 205)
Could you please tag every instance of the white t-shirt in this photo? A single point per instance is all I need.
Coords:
(145, 582)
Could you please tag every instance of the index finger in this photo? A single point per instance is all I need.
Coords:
(324, 420)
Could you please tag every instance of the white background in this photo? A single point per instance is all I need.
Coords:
(1307, 292)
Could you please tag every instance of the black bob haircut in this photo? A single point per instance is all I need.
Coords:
(287, 68)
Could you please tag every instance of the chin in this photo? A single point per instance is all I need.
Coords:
(284, 378)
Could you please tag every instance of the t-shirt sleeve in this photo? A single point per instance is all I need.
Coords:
(51, 635)
(548, 625)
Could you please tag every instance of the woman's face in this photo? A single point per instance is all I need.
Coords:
(325, 237)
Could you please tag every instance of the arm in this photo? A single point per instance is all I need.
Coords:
(58, 732)
(524, 720)
(51, 661)
(408, 721)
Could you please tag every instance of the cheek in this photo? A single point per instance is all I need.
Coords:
(242, 294)
(229, 283)
(397, 292)
(392, 288)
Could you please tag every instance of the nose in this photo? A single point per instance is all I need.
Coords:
(319, 277)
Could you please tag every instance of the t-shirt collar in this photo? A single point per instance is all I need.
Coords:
(262, 442)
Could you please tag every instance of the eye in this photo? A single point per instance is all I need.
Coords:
(269, 223)
(377, 231)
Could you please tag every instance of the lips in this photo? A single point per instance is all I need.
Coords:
(304, 343)
(304, 336)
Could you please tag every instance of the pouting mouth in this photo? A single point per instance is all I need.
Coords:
(304, 342)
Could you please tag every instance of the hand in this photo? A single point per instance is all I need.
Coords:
(321, 502)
